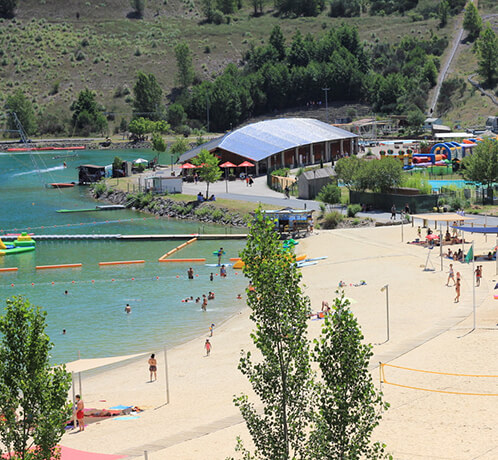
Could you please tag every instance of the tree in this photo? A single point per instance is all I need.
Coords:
(138, 7)
(415, 119)
(148, 96)
(184, 63)
(277, 40)
(208, 8)
(472, 22)
(7, 8)
(23, 108)
(482, 165)
(87, 114)
(33, 394)
(226, 6)
(385, 174)
(158, 145)
(258, 6)
(281, 377)
(443, 12)
(209, 170)
(140, 126)
(330, 194)
(180, 146)
(487, 46)
(176, 115)
(349, 406)
(347, 169)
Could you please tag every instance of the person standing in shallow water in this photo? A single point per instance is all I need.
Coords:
(153, 366)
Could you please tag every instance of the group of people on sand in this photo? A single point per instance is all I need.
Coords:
(457, 256)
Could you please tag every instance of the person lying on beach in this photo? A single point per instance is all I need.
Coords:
(342, 284)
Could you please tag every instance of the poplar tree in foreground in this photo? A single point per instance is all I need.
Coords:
(33, 395)
(280, 373)
(349, 405)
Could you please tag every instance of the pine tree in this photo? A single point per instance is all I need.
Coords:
(472, 22)
(487, 46)
(184, 63)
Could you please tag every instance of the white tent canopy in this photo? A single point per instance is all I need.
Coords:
(140, 160)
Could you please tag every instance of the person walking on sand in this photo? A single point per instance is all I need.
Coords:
(80, 413)
(451, 276)
(457, 288)
(393, 212)
(207, 346)
(211, 329)
(478, 275)
(153, 366)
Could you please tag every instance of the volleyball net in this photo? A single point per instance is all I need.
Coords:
(438, 382)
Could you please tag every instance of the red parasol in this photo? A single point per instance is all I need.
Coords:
(432, 236)
(188, 166)
(226, 165)
(245, 164)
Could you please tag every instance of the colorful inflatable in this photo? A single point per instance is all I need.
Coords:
(24, 243)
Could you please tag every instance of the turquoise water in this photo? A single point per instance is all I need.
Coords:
(93, 310)
(437, 184)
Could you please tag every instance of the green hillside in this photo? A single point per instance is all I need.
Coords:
(53, 49)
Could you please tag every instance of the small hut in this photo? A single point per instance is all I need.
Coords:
(309, 183)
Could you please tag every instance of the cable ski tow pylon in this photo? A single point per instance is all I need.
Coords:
(432, 390)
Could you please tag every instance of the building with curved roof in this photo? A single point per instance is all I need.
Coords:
(279, 143)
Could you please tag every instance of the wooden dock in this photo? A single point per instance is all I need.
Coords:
(119, 237)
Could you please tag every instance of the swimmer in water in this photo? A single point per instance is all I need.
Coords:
(127, 308)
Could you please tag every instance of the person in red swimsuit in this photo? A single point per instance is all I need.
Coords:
(80, 413)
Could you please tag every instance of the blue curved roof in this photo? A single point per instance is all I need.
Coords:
(260, 140)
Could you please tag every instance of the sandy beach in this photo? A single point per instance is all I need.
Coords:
(428, 331)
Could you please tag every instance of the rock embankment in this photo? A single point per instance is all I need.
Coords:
(163, 206)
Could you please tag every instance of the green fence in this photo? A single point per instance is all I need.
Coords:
(385, 201)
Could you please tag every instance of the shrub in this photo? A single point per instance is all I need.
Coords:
(332, 220)
(330, 194)
(353, 209)
(218, 17)
(282, 172)
(99, 188)
(458, 202)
